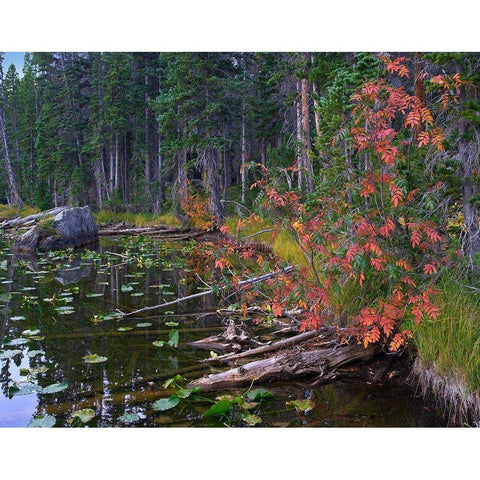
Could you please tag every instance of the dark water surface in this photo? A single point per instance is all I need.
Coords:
(56, 309)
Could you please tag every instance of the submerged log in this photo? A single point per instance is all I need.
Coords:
(286, 366)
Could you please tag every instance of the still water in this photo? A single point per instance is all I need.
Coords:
(59, 312)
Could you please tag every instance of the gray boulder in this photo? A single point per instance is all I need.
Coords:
(73, 227)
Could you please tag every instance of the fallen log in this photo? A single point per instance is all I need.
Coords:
(23, 220)
(232, 340)
(265, 348)
(286, 366)
(139, 231)
(250, 281)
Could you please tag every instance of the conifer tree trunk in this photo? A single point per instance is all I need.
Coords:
(12, 182)
(299, 139)
(306, 137)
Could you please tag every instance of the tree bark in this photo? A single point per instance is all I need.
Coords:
(286, 366)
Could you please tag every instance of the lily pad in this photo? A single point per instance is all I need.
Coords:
(18, 317)
(93, 295)
(129, 418)
(219, 409)
(18, 341)
(84, 415)
(66, 310)
(34, 353)
(5, 297)
(29, 333)
(171, 324)
(42, 421)
(251, 419)
(24, 389)
(166, 403)
(126, 288)
(259, 394)
(94, 358)
(158, 343)
(173, 338)
(138, 294)
(55, 387)
(124, 329)
(36, 337)
(9, 354)
(301, 405)
(144, 325)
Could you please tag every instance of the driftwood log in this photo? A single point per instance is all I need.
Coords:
(17, 222)
(285, 366)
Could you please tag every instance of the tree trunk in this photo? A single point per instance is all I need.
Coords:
(419, 88)
(286, 366)
(306, 137)
(12, 182)
(299, 139)
(466, 157)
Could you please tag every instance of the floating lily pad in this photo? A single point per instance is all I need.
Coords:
(138, 294)
(93, 295)
(36, 337)
(301, 405)
(24, 389)
(171, 324)
(9, 354)
(18, 341)
(94, 358)
(84, 415)
(259, 394)
(219, 409)
(5, 297)
(158, 343)
(144, 325)
(42, 421)
(251, 419)
(55, 387)
(126, 288)
(34, 371)
(65, 310)
(129, 418)
(34, 353)
(173, 338)
(29, 333)
(18, 317)
(166, 403)
(124, 329)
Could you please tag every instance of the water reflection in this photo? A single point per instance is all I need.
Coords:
(70, 299)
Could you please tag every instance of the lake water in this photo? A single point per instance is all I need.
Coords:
(58, 311)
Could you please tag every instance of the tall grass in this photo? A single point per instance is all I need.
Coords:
(451, 343)
(8, 212)
(136, 219)
(282, 243)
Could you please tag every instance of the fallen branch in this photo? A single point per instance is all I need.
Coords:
(139, 231)
(264, 349)
(250, 281)
(287, 366)
(259, 233)
(23, 220)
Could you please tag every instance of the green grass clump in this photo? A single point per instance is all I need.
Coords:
(451, 343)
(282, 243)
(9, 212)
(137, 219)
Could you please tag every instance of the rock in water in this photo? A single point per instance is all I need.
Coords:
(73, 227)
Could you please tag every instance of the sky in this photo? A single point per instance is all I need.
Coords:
(13, 57)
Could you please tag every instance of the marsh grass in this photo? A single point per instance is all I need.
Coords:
(137, 219)
(8, 212)
(451, 343)
(282, 243)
